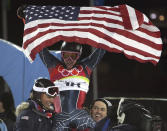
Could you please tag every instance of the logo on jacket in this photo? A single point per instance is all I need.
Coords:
(25, 118)
(74, 71)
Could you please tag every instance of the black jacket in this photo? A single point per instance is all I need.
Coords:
(107, 124)
(31, 119)
(104, 125)
(8, 121)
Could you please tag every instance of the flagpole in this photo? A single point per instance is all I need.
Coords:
(4, 19)
(94, 75)
(95, 82)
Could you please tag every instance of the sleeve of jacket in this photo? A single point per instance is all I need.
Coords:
(92, 60)
(48, 59)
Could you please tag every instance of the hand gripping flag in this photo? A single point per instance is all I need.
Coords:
(121, 29)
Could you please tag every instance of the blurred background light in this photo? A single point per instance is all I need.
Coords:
(161, 17)
(153, 16)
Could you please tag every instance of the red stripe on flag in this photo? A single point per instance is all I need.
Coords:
(128, 56)
(115, 9)
(125, 17)
(97, 12)
(140, 17)
(100, 35)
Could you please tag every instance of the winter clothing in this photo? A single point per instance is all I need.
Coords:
(31, 117)
(78, 119)
(73, 85)
(104, 125)
(3, 126)
(8, 121)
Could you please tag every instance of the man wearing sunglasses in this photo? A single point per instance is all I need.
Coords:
(72, 76)
(38, 112)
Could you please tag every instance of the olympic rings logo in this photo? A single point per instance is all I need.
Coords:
(74, 71)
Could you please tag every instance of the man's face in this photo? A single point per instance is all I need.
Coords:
(70, 58)
(47, 101)
(99, 111)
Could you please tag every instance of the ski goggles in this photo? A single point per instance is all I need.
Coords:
(72, 55)
(51, 90)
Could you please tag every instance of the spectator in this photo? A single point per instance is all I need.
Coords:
(102, 112)
(3, 126)
(133, 116)
(37, 113)
(7, 110)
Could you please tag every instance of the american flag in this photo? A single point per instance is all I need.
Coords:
(120, 29)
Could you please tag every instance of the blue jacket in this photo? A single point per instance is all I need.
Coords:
(3, 126)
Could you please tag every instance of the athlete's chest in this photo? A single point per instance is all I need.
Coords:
(73, 79)
(60, 72)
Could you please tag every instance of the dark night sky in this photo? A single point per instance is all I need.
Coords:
(117, 75)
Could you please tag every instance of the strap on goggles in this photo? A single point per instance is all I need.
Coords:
(51, 90)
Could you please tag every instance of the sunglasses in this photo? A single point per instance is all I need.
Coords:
(50, 91)
(72, 55)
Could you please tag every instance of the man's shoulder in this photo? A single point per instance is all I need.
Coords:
(24, 108)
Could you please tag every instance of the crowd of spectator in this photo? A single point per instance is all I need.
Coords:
(38, 113)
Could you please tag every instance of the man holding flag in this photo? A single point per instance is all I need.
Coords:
(73, 81)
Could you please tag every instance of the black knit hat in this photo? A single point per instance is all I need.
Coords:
(108, 103)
